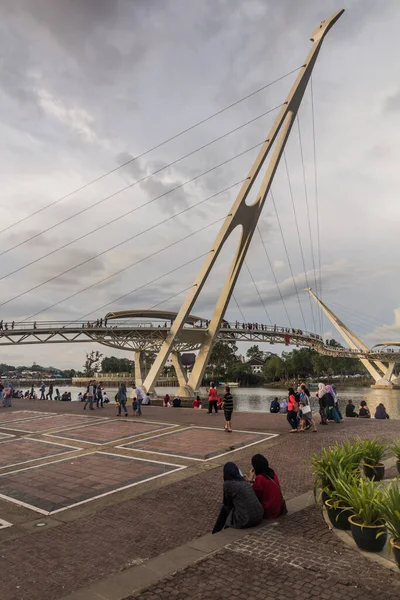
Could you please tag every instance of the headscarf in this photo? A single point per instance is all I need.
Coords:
(261, 466)
(166, 398)
(231, 472)
(330, 391)
(321, 390)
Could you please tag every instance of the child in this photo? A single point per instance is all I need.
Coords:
(197, 403)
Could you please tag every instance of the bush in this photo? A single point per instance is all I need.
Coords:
(339, 458)
(365, 498)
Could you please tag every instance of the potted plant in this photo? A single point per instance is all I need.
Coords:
(396, 452)
(390, 508)
(338, 506)
(331, 461)
(367, 523)
(373, 453)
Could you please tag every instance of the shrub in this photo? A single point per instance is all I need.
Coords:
(373, 451)
(390, 509)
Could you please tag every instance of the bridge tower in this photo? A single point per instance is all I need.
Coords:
(244, 216)
(383, 374)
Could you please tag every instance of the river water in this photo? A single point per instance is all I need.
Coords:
(259, 399)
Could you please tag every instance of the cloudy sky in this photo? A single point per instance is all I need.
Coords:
(87, 85)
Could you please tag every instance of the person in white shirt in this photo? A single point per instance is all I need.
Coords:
(139, 398)
(90, 394)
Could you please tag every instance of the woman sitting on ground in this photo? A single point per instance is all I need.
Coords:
(363, 412)
(166, 401)
(240, 508)
(351, 410)
(267, 487)
(275, 406)
(380, 412)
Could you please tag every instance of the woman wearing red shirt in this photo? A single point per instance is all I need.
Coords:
(293, 409)
(212, 398)
(266, 487)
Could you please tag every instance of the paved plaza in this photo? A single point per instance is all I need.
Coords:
(198, 443)
(51, 487)
(44, 423)
(115, 508)
(17, 451)
(105, 432)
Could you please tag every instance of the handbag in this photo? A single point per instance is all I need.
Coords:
(284, 510)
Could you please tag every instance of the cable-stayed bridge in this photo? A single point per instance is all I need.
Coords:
(184, 331)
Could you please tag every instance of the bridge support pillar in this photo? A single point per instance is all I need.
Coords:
(184, 389)
(139, 369)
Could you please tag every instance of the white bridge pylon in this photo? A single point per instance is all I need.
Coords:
(383, 374)
(243, 216)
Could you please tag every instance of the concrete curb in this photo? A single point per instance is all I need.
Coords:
(137, 578)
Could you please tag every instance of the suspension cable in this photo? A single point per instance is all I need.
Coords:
(88, 287)
(239, 309)
(143, 286)
(298, 235)
(318, 308)
(171, 297)
(288, 259)
(316, 193)
(132, 237)
(138, 181)
(274, 276)
(258, 292)
(36, 260)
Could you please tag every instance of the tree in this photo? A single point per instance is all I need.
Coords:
(222, 356)
(254, 352)
(112, 364)
(273, 368)
(92, 363)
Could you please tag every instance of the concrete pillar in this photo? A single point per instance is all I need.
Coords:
(184, 390)
(139, 368)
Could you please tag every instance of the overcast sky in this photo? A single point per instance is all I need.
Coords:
(88, 84)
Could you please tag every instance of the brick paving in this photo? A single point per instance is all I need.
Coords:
(88, 548)
(17, 451)
(19, 415)
(109, 431)
(197, 442)
(44, 423)
(51, 487)
(297, 557)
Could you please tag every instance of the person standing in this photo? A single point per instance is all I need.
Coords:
(99, 396)
(212, 398)
(89, 398)
(139, 400)
(42, 390)
(293, 409)
(121, 399)
(323, 398)
(49, 394)
(306, 410)
(227, 405)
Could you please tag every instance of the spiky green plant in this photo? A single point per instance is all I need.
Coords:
(365, 498)
(395, 448)
(333, 460)
(389, 507)
(373, 451)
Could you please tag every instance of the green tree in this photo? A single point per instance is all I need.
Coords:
(254, 352)
(92, 363)
(274, 368)
(112, 364)
(222, 356)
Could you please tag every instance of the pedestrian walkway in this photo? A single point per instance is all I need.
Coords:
(102, 532)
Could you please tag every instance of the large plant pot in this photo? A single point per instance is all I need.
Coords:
(398, 466)
(365, 536)
(339, 517)
(377, 472)
(324, 497)
(395, 544)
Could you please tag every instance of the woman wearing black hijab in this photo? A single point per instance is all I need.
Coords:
(267, 487)
(240, 507)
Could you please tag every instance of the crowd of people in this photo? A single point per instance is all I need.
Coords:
(299, 414)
